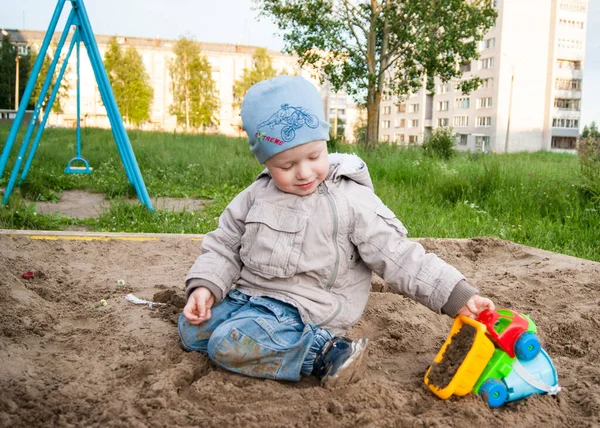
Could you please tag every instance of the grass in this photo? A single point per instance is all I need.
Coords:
(534, 199)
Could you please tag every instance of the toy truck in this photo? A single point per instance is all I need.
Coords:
(505, 362)
(519, 366)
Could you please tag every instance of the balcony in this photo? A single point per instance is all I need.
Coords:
(562, 93)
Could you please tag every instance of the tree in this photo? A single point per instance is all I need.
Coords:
(382, 47)
(130, 82)
(591, 131)
(195, 102)
(63, 89)
(8, 71)
(337, 127)
(262, 69)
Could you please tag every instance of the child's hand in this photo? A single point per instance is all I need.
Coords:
(197, 309)
(475, 305)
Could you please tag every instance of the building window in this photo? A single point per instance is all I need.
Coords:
(387, 109)
(561, 122)
(399, 138)
(482, 143)
(413, 139)
(463, 139)
(574, 7)
(567, 104)
(461, 121)
(413, 123)
(483, 122)
(569, 64)
(487, 83)
(484, 102)
(462, 103)
(486, 63)
(443, 105)
(386, 124)
(23, 49)
(443, 88)
(488, 43)
(570, 44)
(568, 143)
(568, 84)
(443, 122)
(413, 108)
(465, 66)
(400, 123)
(401, 108)
(570, 23)
(386, 138)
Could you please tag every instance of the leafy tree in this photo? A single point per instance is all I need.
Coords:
(378, 47)
(359, 130)
(591, 131)
(63, 89)
(130, 82)
(8, 71)
(262, 69)
(112, 57)
(195, 102)
(337, 127)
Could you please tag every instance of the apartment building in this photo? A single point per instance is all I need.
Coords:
(341, 113)
(531, 64)
(228, 63)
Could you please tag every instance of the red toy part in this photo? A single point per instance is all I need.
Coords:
(27, 275)
(504, 327)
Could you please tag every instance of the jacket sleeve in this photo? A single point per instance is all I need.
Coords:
(219, 264)
(383, 245)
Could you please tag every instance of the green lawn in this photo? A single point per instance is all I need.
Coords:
(531, 198)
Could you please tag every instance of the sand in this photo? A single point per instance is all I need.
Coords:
(65, 362)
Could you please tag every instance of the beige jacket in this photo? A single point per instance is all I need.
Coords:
(317, 252)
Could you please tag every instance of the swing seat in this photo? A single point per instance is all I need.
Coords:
(85, 169)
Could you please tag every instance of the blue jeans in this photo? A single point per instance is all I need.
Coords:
(256, 336)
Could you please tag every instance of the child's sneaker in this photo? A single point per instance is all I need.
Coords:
(341, 361)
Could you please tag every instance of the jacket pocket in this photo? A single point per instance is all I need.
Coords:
(272, 243)
(391, 219)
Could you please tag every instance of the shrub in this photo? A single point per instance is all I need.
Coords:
(440, 143)
(589, 160)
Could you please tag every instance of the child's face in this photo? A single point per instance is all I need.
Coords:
(301, 169)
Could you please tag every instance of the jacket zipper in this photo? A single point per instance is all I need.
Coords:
(333, 210)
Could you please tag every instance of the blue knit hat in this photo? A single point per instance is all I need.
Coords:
(281, 113)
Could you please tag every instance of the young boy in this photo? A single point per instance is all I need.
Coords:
(300, 244)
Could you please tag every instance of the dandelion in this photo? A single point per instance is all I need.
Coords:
(99, 304)
(121, 282)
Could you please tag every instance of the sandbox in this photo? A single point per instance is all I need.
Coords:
(67, 360)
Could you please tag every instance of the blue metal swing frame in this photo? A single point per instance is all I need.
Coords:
(78, 19)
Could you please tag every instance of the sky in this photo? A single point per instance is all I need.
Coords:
(231, 21)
